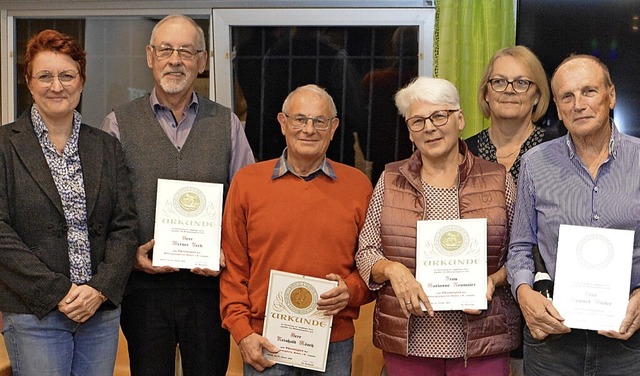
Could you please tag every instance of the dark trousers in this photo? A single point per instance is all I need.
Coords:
(154, 321)
(581, 353)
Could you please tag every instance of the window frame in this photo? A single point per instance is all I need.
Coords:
(224, 19)
(8, 52)
(221, 21)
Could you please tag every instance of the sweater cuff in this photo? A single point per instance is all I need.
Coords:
(359, 293)
(239, 329)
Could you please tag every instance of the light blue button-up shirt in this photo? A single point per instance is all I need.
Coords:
(556, 188)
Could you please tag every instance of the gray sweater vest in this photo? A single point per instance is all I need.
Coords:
(150, 156)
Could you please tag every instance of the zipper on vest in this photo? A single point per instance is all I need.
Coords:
(466, 341)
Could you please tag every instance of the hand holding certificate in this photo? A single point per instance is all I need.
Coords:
(451, 263)
(188, 224)
(593, 273)
(294, 324)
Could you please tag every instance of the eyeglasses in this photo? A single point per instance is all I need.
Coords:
(519, 85)
(165, 52)
(66, 78)
(438, 119)
(320, 123)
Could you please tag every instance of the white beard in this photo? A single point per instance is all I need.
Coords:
(173, 86)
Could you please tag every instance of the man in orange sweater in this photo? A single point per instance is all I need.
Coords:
(300, 213)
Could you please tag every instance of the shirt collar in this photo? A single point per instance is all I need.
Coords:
(41, 130)
(157, 106)
(282, 167)
(613, 141)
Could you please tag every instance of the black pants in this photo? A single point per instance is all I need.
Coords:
(155, 320)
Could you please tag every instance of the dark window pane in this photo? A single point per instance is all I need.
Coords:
(361, 67)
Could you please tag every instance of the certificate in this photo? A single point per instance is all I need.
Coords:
(188, 224)
(451, 263)
(294, 324)
(593, 276)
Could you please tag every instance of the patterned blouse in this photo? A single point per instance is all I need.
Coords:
(66, 171)
(440, 336)
(486, 149)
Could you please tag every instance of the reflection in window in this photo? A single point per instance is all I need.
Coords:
(117, 69)
(361, 67)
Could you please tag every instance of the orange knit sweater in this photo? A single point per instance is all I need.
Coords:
(305, 227)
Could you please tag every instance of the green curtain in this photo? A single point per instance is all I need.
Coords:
(467, 33)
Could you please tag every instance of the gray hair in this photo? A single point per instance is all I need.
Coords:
(200, 44)
(320, 92)
(429, 90)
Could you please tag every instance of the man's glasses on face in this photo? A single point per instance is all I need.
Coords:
(320, 123)
(165, 52)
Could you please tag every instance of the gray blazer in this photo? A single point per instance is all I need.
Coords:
(34, 262)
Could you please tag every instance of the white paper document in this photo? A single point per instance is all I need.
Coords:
(188, 224)
(451, 263)
(593, 274)
(294, 324)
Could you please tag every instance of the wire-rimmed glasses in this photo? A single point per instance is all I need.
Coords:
(66, 78)
(165, 52)
(320, 123)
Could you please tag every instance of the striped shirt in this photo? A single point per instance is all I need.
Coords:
(556, 188)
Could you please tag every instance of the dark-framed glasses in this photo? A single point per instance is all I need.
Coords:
(66, 78)
(165, 52)
(438, 119)
(320, 123)
(519, 85)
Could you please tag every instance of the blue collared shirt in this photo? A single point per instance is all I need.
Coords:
(282, 167)
(556, 188)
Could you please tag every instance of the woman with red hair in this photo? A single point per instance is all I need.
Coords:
(67, 224)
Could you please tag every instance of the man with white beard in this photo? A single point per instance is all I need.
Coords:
(174, 133)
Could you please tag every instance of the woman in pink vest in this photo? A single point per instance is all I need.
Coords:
(442, 180)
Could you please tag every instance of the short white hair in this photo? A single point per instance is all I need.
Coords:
(429, 90)
(320, 92)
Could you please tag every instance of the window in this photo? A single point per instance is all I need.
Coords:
(117, 69)
(361, 57)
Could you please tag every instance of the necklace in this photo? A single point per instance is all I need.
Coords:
(526, 135)
(506, 156)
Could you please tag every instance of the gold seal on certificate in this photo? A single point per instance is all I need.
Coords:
(593, 274)
(293, 322)
(188, 224)
(451, 263)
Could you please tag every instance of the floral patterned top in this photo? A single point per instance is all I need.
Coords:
(66, 171)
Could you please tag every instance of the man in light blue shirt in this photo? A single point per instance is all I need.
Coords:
(591, 177)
